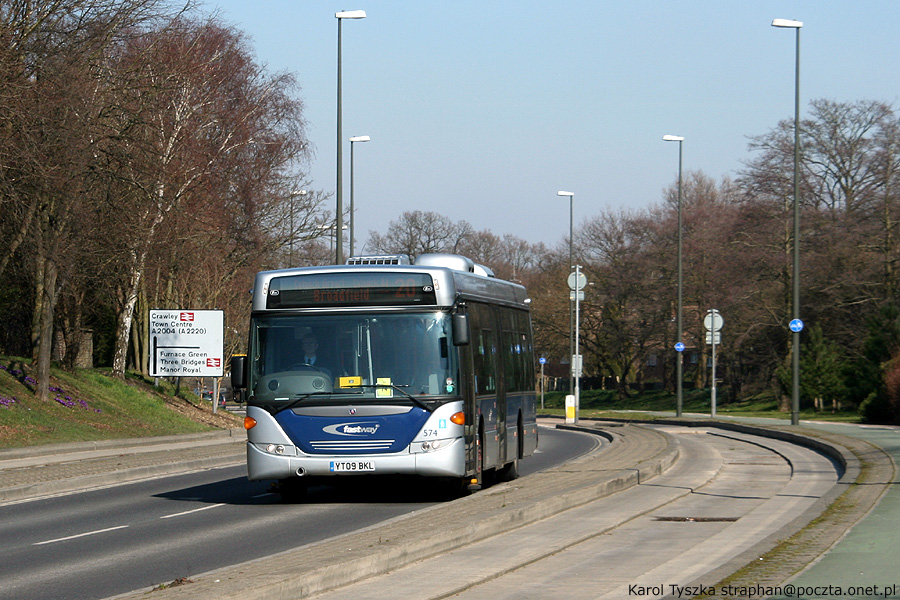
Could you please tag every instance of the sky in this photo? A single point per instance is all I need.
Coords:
(481, 110)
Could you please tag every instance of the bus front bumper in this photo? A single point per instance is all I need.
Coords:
(446, 461)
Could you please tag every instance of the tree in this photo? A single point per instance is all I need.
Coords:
(849, 209)
(866, 378)
(820, 371)
(417, 232)
(50, 57)
(623, 317)
(195, 107)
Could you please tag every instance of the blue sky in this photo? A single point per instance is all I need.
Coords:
(483, 110)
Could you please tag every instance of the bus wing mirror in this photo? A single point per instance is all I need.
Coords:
(460, 330)
(239, 371)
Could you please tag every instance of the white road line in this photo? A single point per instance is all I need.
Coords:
(72, 537)
(187, 512)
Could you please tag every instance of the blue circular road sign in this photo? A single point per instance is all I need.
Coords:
(543, 361)
(796, 325)
(679, 347)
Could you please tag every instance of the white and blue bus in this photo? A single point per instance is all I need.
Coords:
(419, 369)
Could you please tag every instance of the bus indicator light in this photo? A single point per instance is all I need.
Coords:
(458, 418)
(249, 422)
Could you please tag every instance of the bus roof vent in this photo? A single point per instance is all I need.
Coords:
(391, 259)
(448, 261)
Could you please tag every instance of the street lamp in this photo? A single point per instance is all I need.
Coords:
(571, 196)
(339, 252)
(796, 323)
(358, 138)
(678, 327)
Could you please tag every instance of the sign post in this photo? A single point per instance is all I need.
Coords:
(577, 281)
(187, 343)
(543, 362)
(713, 322)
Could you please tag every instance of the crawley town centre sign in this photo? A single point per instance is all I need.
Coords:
(187, 343)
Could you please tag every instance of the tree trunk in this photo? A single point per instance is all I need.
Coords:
(45, 345)
(39, 283)
(123, 327)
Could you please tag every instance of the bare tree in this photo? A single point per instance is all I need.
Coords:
(50, 58)
(417, 232)
(196, 106)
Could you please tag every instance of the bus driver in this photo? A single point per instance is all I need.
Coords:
(310, 347)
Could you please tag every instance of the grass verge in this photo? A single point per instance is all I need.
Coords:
(90, 404)
(599, 404)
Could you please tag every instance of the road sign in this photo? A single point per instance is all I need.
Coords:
(543, 360)
(576, 365)
(187, 343)
(796, 325)
(679, 347)
(577, 281)
(713, 337)
(576, 296)
(713, 320)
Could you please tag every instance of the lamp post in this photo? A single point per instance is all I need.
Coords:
(796, 323)
(353, 140)
(571, 196)
(339, 246)
(679, 346)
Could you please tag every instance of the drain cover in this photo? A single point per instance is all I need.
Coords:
(697, 519)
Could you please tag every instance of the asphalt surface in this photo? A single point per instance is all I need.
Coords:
(825, 557)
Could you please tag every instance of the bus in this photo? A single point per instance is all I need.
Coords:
(423, 369)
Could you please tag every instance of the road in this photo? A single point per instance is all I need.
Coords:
(109, 541)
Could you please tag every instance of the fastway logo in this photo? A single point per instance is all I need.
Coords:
(352, 429)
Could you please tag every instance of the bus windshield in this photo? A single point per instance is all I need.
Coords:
(311, 359)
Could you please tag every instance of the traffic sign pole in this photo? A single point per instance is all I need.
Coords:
(713, 322)
(577, 282)
(543, 362)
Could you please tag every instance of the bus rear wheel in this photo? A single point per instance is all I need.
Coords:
(509, 471)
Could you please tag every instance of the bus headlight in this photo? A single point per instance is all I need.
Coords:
(275, 449)
(433, 445)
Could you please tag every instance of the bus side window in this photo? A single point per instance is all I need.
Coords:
(484, 362)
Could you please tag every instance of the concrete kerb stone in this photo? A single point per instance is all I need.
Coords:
(353, 557)
(75, 447)
(79, 466)
(83, 482)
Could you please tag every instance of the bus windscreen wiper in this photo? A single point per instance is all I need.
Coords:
(412, 398)
(300, 399)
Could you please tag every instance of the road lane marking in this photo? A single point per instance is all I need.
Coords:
(187, 512)
(72, 537)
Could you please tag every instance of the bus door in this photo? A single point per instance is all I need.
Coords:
(500, 352)
(485, 344)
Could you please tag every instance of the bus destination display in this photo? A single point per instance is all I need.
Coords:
(350, 289)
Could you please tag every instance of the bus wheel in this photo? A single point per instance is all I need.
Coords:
(509, 472)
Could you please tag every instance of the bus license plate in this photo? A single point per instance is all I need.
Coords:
(352, 466)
